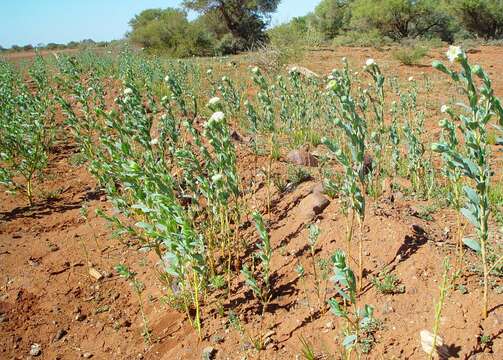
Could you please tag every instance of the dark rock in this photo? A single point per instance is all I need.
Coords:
(60, 334)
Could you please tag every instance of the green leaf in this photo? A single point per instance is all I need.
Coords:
(349, 341)
(472, 244)
(472, 217)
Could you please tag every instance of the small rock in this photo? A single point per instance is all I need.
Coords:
(53, 247)
(209, 353)
(330, 325)
(313, 205)
(95, 274)
(269, 334)
(87, 355)
(302, 70)
(36, 349)
(80, 317)
(302, 157)
(427, 343)
(3, 318)
(60, 334)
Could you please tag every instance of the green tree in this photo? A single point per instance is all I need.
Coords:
(331, 16)
(169, 30)
(246, 20)
(481, 17)
(400, 19)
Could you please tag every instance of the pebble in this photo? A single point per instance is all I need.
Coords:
(53, 247)
(80, 317)
(87, 355)
(60, 334)
(208, 353)
(36, 349)
(302, 157)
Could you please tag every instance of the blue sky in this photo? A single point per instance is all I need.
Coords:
(42, 21)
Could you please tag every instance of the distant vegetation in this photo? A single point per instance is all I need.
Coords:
(225, 27)
(231, 26)
(55, 46)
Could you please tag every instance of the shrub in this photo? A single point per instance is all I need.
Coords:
(482, 17)
(400, 19)
(362, 38)
(410, 56)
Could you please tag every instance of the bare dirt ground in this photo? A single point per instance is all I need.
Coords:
(47, 295)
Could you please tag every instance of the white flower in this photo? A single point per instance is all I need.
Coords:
(215, 118)
(455, 53)
(214, 101)
(344, 59)
(167, 78)
(294, 70)
(217, 177)
(411, 78)
(370, 62)
(444, 109)
(356, 73)
(255, 70)
(154, 141)
(128, 91)
(209, 71)
(330, 77)
(225, 78)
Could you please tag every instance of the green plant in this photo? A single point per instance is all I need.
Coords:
(410, 56)
(26, 132)
(314, 234)
(261, 289)
(446, 285)
(297, 174)
(307, 350)
(358, 320)
(138, 289)
(474, 163)
(388, 283)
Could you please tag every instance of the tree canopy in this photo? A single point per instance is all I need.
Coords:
(246, 20)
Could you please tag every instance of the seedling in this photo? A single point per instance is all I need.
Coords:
(357, 319)
(138, 289)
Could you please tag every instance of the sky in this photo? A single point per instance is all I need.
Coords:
(33, 22)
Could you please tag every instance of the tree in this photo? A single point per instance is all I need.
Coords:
(246, 20)
(331, 16)
(400, 19)
(482, 17)
(169, 30)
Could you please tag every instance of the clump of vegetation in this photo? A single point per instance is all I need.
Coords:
(410, 56)
(360, 322)
(388, 283)
(26, 128)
